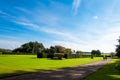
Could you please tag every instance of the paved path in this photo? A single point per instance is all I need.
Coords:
(75, 73)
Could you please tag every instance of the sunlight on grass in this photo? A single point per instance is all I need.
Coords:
(115, 76)
(17, 64)
(108, 72)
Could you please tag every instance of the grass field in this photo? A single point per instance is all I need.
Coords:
(18, 64)
(106, 73)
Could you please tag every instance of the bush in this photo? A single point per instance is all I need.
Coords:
(59, 56)
(50, 56)
(6, 52)
(66, 56)
(45, 55)
(0, 53)
(39, 55)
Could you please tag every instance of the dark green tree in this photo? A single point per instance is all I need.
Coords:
(52, 50)
(96, 52)
(118, 48)
(30, 47)
(93, 52)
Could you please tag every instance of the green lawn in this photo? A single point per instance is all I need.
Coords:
(108, 72)
(18, 64)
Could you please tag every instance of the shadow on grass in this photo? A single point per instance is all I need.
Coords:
(15, 73)
(108, 72)
(18, 73)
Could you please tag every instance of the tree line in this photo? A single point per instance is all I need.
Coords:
(36, 47)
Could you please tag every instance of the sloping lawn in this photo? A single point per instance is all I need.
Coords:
(18, 64)
(108, 72)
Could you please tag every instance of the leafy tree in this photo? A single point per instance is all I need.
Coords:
(68, 51)
(60, 49)
(47, 50)
(52, 50)
(79, 53)
(96, 52)
(118, 48)
(30, 47)
(93, 52)
(112, 54)
(5, 51)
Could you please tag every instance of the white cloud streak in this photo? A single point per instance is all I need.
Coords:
(75, 6)
(23, 9)
(27, 24)
(49, 31)
(6, 14)
(104, 41)
(9, 44)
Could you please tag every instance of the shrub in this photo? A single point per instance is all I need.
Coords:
(39, 55)
(59, 56)
(66, 56)
(50, 56)
(0, 53)
(45, 55)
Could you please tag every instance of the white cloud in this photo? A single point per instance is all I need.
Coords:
(102, 46)
(23, 9)
(104, 42)
(8, 44)
(95, 17)
(61, 34)
(52, 31)
(75, 6)
(27, 24)
(6, 14)
(75, 46)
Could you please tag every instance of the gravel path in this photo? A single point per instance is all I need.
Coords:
(74, 73)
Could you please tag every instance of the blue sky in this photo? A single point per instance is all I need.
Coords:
(78, 24)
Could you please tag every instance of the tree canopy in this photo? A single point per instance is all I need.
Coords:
(30, 47)
(96, 52)
(118, 48)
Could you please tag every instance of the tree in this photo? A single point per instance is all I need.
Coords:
(93, 52)
(118, 48)
(112, 54)
(5, 51)
(60, 49)
(79, 53)
(30, 47)
(96, 52)
(52, 50)
(68, 51)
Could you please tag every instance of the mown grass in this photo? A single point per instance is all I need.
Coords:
(108, 72)
(18, 64)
